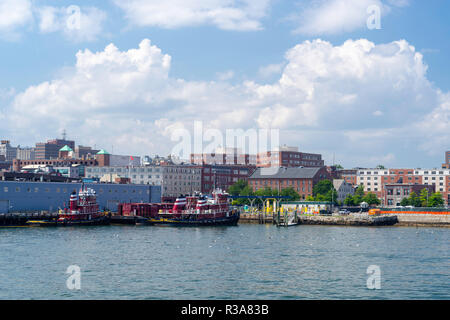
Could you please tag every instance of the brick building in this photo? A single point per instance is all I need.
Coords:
(300, 179)
(396, 192)
(223, 176)
(50, 149)
(289, 157)
(446, 165)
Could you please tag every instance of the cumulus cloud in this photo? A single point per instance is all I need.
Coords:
(360, 100)
(14, 14)
(338, 16)
(240, 15)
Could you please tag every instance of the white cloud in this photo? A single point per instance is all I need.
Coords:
(226, 75)
(270, 70)
(240, 15)
(327, 98)
(339, 16)
(77, 24)
(14, 14)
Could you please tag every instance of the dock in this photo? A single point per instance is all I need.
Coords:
(336, 220)
(20, 219)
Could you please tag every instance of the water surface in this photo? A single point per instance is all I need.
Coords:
(243, 262)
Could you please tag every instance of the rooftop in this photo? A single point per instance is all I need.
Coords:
(66, 148)
(285, 173)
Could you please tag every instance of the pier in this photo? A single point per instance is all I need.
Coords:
(336, 220)
(20, 219)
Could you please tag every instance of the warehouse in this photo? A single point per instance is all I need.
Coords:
(26, 196)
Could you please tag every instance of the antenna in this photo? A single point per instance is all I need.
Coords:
(64, 134)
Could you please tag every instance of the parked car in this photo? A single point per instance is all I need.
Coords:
(344, 211)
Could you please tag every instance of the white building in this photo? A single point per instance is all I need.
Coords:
(343, 189)
(174, 179)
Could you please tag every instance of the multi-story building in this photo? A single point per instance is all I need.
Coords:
(223, 176)
(374, 180)
(50, 149)
(289, 157)
(82, 152)
(224, 156)
(174, 179)
(300, 179)
(8, 151)
(283, 156)
(446, 165)
(396, 192)
(25, 153)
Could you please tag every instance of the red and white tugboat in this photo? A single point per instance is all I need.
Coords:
(83, 211)
(198, 210)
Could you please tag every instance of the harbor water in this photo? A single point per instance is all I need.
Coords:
(244, 262)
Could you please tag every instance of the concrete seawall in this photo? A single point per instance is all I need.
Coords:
(349, 220)
(423, 220)
(415, 220)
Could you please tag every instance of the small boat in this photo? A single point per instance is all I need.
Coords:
(83, 211)
(198, 210)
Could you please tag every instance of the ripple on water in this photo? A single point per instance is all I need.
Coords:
(244, 262)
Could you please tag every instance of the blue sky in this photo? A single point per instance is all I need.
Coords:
(234, 54)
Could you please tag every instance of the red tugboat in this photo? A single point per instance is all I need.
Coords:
(83, 210)
(198, 210)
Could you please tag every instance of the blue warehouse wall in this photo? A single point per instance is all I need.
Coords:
(49, 196)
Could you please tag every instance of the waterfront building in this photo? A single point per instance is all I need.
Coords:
(395, 193)
(300, 179)
(374, 180)
(343, 189)
(223, 176)
(49, 196)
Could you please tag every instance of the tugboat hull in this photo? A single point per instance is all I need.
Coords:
(226, 221)
(69, 223)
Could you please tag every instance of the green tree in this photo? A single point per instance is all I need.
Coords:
(414, 199)
(339, 167)
(348, 201)
(309, 198)
(322, 187)
(424, 196)
(236, 188)
(405, 202)
(380, 166)
(371, 199)
(290, 192)
(436, 200)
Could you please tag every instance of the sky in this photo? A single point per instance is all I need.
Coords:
(331, 76)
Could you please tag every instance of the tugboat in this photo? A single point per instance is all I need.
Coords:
(198, 210)
(83, 211)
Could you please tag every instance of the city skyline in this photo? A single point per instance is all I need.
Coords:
(332, 86)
